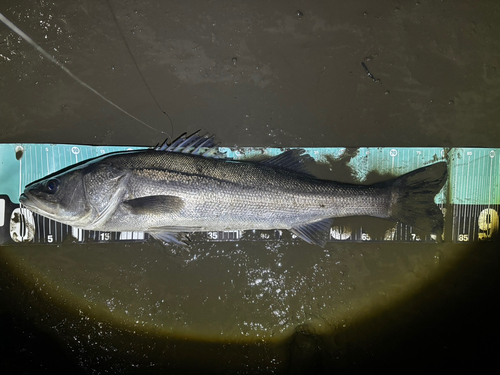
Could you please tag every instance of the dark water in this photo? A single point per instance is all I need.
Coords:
(255, 74)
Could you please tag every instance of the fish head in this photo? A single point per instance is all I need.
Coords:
(83, 196)
(60, 197)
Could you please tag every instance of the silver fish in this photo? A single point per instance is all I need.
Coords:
(175, 189)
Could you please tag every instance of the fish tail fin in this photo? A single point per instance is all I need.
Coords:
(412, 198)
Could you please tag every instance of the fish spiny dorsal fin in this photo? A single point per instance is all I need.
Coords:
(194, 144)
(294, 160)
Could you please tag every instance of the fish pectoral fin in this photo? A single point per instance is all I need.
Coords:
(294, 160)
(315, 233)
(154, 204)
(171, 237)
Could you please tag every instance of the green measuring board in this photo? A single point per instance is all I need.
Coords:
(472, 192)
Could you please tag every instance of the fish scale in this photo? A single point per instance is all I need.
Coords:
(231, 190)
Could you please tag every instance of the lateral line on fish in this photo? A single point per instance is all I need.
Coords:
(66, 70)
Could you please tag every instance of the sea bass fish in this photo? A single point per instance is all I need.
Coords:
(175, 189)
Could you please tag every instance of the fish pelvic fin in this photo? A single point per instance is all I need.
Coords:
(173, 238)
(314, 233)
(412, 198)
(173, 234)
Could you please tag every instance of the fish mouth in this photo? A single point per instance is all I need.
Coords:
(34, 204)
(25, 200)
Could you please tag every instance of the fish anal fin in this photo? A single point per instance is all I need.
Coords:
(154, 204)
(314, 233)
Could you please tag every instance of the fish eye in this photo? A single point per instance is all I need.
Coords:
(52, 185)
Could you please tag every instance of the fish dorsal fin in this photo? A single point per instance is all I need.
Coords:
(294, 160)
(315, 233)
(194, 144)
(154, 204)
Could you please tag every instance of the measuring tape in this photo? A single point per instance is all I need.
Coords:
(472, 192)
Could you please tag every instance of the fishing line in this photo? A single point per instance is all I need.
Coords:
(137, 66)
(66, 70)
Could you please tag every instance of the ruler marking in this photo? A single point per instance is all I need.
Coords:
(28, 172)
(455, 192)
(53, 160)
(467, 188)
(41, 161)
(476, 187)
(43, 226)
(368, 158)
(38, 227)
(453, 234)
(20, 175)
(37, 173)
(498, 183)
(59, 155)
(470, 206)
(483, 184)
(458, 186)
(461, 210)
(47, 158)
(377, 160)
(444, 201)
(489, 187)
(476, 182)
(64, 154)
(26, 168)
